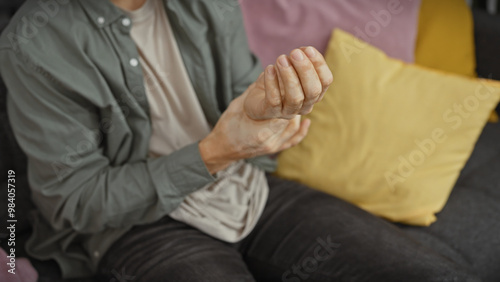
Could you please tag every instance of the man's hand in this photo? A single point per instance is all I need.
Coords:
(266, 118)
(291, 87)
(236, 136)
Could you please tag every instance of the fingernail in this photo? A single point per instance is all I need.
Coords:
(284, 61)
(271, 71)
(297, 55)
(310, 52)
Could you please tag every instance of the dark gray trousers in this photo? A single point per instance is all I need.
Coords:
(303, 235)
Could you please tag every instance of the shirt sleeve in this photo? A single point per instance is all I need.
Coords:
(88, 194)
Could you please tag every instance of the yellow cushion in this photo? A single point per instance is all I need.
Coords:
(445, 38)
(389, 137)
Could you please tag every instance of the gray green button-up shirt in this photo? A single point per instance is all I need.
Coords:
(78, 108)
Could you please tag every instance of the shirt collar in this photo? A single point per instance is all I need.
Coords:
(101, 12)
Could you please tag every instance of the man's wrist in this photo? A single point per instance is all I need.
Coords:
(212, 154)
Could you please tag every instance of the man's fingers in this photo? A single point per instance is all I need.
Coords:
(291, 129)
(279, 131)
(291, 87)
(273, 94)
(322, 69)
(282, 134)
(298, 136)
(254, 103)
(260, 80)
(294, 96)
(309, 79)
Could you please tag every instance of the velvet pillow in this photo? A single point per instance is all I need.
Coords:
(390, 137)
(275, 27)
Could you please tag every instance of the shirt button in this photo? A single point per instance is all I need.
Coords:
(100, 20)
(125, 21)
(96, 254)
(134, 62)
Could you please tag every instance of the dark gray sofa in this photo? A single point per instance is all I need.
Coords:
(476, 195)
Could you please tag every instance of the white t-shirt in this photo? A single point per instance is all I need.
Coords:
(229, 208)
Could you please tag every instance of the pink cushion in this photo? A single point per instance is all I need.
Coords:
(275, 27)
(23, 270)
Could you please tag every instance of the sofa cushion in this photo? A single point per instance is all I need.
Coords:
(468, 226)
(22, 270)
(445, 38)
(387, 135)
(274, 27)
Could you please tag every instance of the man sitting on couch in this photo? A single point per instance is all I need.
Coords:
(146, 124)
